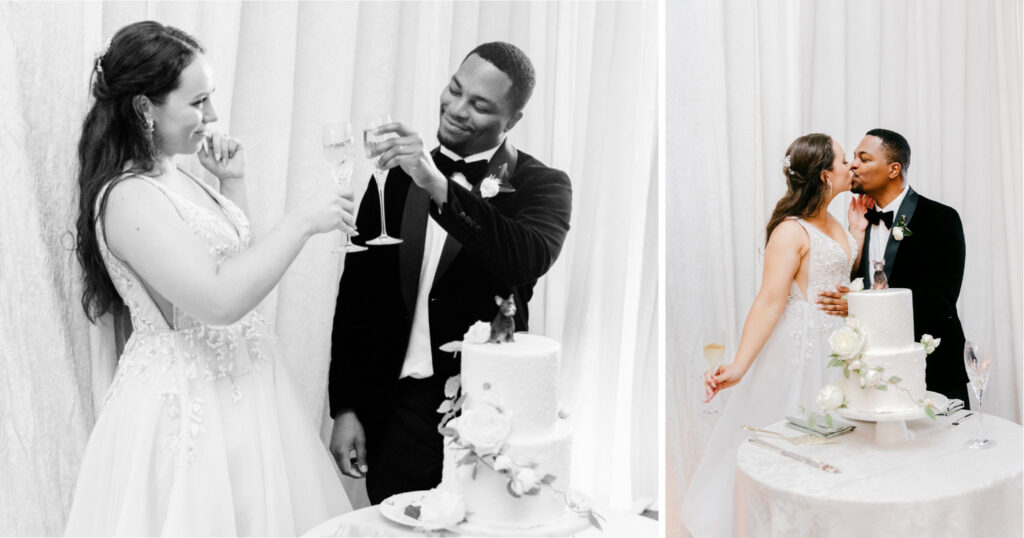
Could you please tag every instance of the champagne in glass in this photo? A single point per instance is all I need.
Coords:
(978, 361)
(370, 142)
(339, 150)
(713, 358)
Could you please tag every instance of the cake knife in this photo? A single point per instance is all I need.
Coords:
(803, 459)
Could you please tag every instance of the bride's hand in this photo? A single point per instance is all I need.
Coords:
(223, 156)
(859, 205)
(724, 377)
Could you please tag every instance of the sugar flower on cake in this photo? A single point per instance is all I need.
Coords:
(485, 428)
(478, 333)
(846, 342)
(439, 508)
(524, 482)
(870, 378)
(930, 343)
(830, 397)
(503, 463)
(857, 284)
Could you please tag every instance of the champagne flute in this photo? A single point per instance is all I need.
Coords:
(713, 358)
(370, 141)
(339, 150)
(978, 361)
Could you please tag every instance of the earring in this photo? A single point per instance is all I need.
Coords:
(829, 183)
(149, 125)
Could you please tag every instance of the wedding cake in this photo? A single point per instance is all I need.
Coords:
(508, 452)
(888, 374)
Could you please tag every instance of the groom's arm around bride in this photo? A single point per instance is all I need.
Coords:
(464, 241)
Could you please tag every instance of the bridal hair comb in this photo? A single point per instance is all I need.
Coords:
(786, 163)
(98, 67)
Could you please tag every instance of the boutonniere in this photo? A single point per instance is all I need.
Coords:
(900, 230)
(493, 184)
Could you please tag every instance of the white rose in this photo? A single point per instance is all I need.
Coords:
(485, 428)
(524, 481)
(856, 365)
(897, 233)
(441, 508)
(503, 463)
(852, 323)
(489, 187)
(830, 397)
(478, 333)
(857, 284)
(930, 343)
(846, 342)
(872, 377)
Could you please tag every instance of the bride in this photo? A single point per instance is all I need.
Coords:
(781, 360)
(201, 432)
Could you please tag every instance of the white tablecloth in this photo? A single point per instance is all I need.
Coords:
(369, 522)
(929, 486)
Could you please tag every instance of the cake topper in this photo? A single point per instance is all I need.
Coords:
(503, 326)
(880, 282)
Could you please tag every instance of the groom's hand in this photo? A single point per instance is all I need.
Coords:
(407, 151)
(833, 302)
(347, 442)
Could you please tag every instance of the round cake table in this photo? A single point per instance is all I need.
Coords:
(931, 485)
(369, 522)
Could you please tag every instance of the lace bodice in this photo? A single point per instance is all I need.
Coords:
(223, 239)
(828, 263)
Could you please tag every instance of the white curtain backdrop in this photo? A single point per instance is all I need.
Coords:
(744, 78)
(282, 69)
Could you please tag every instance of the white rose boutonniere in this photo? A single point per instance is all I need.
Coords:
(900, 230)
(930, 343)
(857, 284)
(846, 342)
(485, 428)
(830, 397)
(489, 187)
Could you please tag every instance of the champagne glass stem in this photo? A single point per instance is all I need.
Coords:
(380, 192)
(981, 416)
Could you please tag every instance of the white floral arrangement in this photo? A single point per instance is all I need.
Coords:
(847, 345)
(482, 432)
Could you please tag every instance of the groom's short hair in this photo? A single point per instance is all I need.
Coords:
(896, 146)
(512, 61)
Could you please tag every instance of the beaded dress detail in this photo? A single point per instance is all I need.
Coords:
(787, 374)
(201, 431)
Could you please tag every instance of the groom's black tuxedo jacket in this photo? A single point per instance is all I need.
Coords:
(931, 263)
(495, 246)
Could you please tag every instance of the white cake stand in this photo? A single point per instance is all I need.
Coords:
(891, 427)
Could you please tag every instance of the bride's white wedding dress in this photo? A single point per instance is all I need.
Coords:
(788, 373)
(202, 432)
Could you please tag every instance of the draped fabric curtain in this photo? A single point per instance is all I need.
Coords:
(744, 78)
(281, 70)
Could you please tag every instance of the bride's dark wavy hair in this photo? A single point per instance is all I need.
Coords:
(809, 156)
(143, 59)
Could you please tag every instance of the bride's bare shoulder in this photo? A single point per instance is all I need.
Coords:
(789, 234)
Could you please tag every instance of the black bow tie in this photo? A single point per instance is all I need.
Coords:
(473, 172)
(875, 216)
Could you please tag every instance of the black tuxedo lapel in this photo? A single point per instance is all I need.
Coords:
(906, 209)
(410, 250)
(502, 165)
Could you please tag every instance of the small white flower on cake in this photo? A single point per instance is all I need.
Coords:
(857, 284)
(846, 342)
(485, 428)
(478, 333)
(503, 463)
(870, 377)
(930, 343)
(489, 187)
(442, 507)
(830, 397)
(525, 481)
(856, 365)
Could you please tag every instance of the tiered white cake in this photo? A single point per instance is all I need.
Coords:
(521, 379)
(886, 317)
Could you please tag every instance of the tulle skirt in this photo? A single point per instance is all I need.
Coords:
(787, 374)
(202, 434)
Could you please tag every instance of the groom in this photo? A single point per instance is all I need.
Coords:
(462, 246)
(929, 259)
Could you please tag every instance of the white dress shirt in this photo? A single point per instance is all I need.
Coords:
(418, 358)
(880, 232)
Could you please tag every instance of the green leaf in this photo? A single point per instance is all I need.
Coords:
(548, 479)
(446, 406)
(882, 386)
(803, 410)
(894, 380)
(846, 372)
(810, 422)
(511, 491)
(836, 362)
(469, 459)
(931, 413)
(828, 420)
(449, 432)
(594, 521)
(413, 511)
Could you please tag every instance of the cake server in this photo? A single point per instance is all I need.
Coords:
(803, 459)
